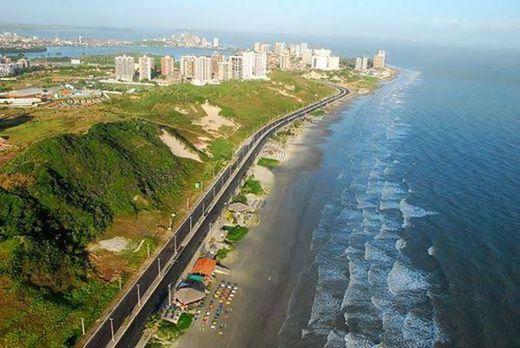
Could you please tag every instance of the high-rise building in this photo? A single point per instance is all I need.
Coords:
(380, 60)
(307, 56)
(260, 68)
(295, 50)
(304, 46)
(224, 71)
(258, 47)
(265, 48)
(216, 58)
(187, 67)
(125, 68)
(280, 47)
(237, 67)
(146, 64)
(361, 63)
(333, 63)
(167, 66)
(285, 62)
(248, 65)
(216, 42)
(325, 62)
(202, 71)
(320, 62)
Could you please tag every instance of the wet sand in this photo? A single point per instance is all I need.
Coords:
(267, 263)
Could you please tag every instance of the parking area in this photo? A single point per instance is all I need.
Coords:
(213, 313)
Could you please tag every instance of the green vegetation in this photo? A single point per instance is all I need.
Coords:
(222, 253)
(268, 162)
(318, 112)
(185, 321)
(235, 233)
(34, 318)
(86, 174)
(61, 194)
(166, 332)
(252, 186)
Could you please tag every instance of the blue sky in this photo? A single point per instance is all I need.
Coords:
(493, 22)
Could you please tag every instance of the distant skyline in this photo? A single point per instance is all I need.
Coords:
(465, 22)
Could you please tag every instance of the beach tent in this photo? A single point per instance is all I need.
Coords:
(204, 267)
(239, 207)
(192, 293)
(196, 278)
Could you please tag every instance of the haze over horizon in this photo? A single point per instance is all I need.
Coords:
(465, 22)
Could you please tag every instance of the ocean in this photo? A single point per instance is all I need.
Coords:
(419, 246)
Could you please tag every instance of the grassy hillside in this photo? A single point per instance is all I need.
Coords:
(62, 193)
(82, 175)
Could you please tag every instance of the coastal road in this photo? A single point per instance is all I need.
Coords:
(124, 325)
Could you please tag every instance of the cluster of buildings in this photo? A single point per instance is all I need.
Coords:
(10, 67)
(189, 40)
(19, 43)
(126, 67)
(15, 42)
(199, 70)
(246, 65)
(379, 62)
(298, 56)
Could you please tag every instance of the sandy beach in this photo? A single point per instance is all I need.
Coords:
(267, 263)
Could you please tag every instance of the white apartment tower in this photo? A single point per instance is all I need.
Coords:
(260, 68)
(361, 64)
(248, 65)
(202, 71)
(380, 60)
(146, 65)
(125, 68)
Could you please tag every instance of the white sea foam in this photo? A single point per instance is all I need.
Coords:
(335, 340)
(403, 279)
(410, 211)
(323, 309)
(392, 191)
(387, 205)
(357, 341)
(400, 244)
(373, 253)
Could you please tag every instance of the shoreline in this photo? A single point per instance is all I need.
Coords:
(267, 264)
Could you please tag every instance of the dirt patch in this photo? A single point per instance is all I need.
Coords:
(286, 94)
(177, 147)
(213, 121)
(114, 245)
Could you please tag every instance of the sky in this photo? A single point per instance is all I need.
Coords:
(479, 22)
